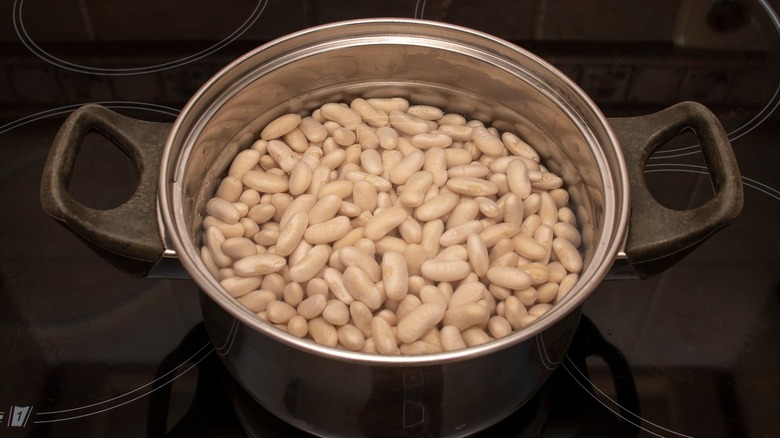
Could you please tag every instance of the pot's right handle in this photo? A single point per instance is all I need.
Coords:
(658, 236)
(130, 230)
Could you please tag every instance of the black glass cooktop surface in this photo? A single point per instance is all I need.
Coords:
(87, 350)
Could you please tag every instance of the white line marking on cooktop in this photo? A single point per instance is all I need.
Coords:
(70, 108)
(565, 367)
(21, 32)
(691, 168)
(165, 378)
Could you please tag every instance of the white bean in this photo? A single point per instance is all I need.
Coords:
(471, 186)
(311, 264)
(259, 264)
(223, 210)
(313, 129)
(265, 182)
(395, 275)
(408, 166)
(360, 286)
(298, 326)
(351, 337)
(508, 277)
(436, 207)
(467, 292)
(568, 255)
(312, 306)
(415, 324)
(389, 104)
(229, 189)
(383, 336)
(474, 336)
(329, 231)
(280, 126)
(323, 332)
(292, 233)
(388, 137)
(336, 312)
(568, 232)
(342, 115)
(430, 140)
(279, 312)
(257, 300)
(369, 113)
(239, 286)
(466, 315)
(451, 339)
(408, 124)
(445, 270)
(487, 142)
(458, 235)
(300, 177)
(383, 222)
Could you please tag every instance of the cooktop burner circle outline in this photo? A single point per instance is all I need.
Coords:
(28, 42)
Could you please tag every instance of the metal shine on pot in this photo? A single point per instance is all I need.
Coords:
(332, 392)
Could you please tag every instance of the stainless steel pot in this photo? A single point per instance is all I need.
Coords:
(332, 392)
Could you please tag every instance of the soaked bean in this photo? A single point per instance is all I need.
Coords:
(383, 336)
(417, 322)
(257, 300)
(351, 337)
(313, 130)
(336, 312)
(451, 339)
(323, 332)
(312, 306)
(568, 255)
(280, 126)
(310, 265)
(466, 315)
(360, 286)
(259, 264)
(395, 275)
(341, 114)
(383, 222)
(474, 336)
(445, 270)
(298, 326)
(369, 113)
(279, 312)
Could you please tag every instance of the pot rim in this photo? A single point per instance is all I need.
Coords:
(603, 258)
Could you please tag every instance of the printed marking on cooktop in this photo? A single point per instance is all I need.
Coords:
(21, 32)
(18, 416)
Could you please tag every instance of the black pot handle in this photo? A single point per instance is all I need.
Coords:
(130, 230)
(658, 236)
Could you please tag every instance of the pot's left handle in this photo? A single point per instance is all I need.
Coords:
(129, 231)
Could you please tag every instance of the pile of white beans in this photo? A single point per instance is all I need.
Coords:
(391, 228)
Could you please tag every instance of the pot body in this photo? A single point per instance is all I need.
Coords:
(333, 392)
(328, 397)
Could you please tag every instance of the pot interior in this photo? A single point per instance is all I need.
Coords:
(455, 69)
